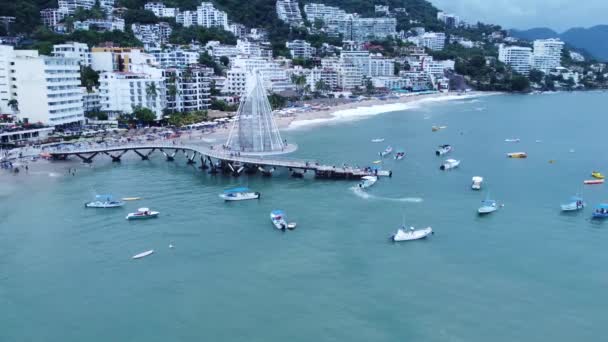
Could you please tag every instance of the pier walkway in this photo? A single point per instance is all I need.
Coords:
(224, 160)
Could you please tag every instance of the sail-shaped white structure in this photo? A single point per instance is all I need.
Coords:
(255, 130)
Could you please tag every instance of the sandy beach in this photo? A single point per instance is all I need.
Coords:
(352, 110)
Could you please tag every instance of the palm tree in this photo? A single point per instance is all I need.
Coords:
(14, 104)
(152, 93)
(300, 81)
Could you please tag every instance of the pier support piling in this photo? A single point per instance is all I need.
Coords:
(87, 160)
(144, 156)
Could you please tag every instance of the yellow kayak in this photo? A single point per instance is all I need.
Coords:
(131, 198)
(597, 175)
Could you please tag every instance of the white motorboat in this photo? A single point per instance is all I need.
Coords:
(443, 149)
(142, 213)
(487, 206)
(239, 194)
(411, 234)
(143, 254)
(575, 203)
(104, 201)
(386, 152)
(378, 140)
(279, 220)
(512, 140)
(477, 183)
(450, 164)
(399, 155)
(367, 181)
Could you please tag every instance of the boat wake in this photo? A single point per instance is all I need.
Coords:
(365, 195)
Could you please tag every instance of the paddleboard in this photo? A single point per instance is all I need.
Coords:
(143, 254)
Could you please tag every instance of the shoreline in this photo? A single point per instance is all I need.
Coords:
(354, 111)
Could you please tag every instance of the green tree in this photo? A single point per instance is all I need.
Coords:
(144, 115)
(89, 78)
(206, 60)
(225, 60)
(536, 76)
(140, 16)
(299, 81)
(322, 86)
(223, 106)
(369, 86)
(14, 104)
(277, 101)
(520, 83)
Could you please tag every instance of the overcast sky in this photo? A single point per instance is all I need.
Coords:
(559, 15)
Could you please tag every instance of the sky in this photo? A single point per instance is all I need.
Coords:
(559, 15)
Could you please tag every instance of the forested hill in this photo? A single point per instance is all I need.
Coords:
(251, 13)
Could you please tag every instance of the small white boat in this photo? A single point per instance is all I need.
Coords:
(399, 155)
(367, 181)
(143, 254)
(487, 207)
(278, 219)
(104, 201)
(512, 140)
(443, 149)
(477, 183)
(450, 164)
(378, 140)
(239, 194)
(386, 152)
(411, 234)
(142, 213)
(575, 203)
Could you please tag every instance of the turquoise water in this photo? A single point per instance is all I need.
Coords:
(525, 273)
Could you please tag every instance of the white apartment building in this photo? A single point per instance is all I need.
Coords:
(188, 89)
(300, 49)
(47, 89)
(186, 18)
(91, 101)
(220, 50)
(79, 51)
(547, 54)
(122, 91)
(360, 59)
(289, 12)
(160, 10)
(434, 68)
(363, 29)
(100, 25)
(518, 57)
(52, 16)
(322, 12)
(275, 77)
(249, 48)
(330, 63)
(382, 9)
(349, 76)
(239, 30)
(449, 20)
(392, 82)
(328, 76)
(152, 34)
(71, 5)
(236, 81)
(432, 40)
(379, 66)
(176, 58)
(208, 16)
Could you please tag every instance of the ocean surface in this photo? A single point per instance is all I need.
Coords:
(525, 273)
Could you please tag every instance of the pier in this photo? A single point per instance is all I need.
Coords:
(218, 160)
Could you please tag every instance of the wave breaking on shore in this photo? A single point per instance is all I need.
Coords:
(364, 111)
